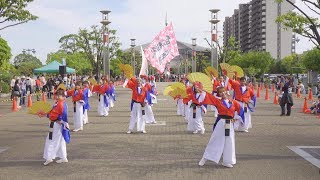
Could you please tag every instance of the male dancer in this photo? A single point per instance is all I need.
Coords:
(103, 107)
(55, 145)
(138, 105)
(77, 99)
(149, 116)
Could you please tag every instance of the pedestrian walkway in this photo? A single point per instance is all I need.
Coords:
(104, 151)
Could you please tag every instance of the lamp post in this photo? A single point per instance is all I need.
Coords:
(106, 61)
(214, 35)
(194, 43)
(133, 59)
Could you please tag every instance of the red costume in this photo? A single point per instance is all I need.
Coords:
(56, 110)
(136, 96)
(239, 95)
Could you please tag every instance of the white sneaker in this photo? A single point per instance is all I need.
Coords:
(155, 122)
(227, 165)
(75, 130)
(144, 132)
(81, 129)
(129, 132)
(246, 131)
(195, 132)
(62, 161)
(48, 162)
(202, 161)
(202, 131)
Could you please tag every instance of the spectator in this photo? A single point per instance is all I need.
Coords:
(17, 92)
(23, 88)
(12, 83)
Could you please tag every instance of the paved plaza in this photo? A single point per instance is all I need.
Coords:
(104, 151)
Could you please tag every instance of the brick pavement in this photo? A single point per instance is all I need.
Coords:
(104, 151)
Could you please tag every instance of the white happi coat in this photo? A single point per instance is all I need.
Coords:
(197, 123)
(55, 148)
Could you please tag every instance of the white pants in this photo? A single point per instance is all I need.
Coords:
(180, 107)
(102, 109)
(219, 145)
(215, 110)
(149, 116)
(111, 102)
(238, 126)
(187, 110)
(85, 117)
(195, 123)
(136, 118)
(78, 116)
(57, 146)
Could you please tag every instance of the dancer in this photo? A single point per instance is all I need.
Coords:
(286, 98)
(222, 140)
(111, 94)
(149, 116)
(138, 105)
(103, 107)
(86, 95)
(247, 100)
(55, 145)
(78, 102)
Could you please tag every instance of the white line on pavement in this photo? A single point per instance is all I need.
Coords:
(305, 155)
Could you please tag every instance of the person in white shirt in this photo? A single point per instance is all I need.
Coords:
(13, 80)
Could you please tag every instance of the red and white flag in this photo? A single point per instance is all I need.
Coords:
(162, 49)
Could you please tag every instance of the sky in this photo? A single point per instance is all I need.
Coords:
(139, 19)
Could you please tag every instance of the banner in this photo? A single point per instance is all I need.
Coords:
(144, 64)
(162, 49)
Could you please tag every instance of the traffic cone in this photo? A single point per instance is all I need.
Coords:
(258, 93)
(44, 97)
(298, 93)
(275, 99)
(267, 94)
(14, 105)
(310, 94)
(273, 88)
(305, 108)
(29, 101)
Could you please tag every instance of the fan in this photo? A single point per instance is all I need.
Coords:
(179, 92)
(211, 71)
(167, 90)
(127, 70)
(40, 106)
(226, 70)
(93, 81)
(203, 79)
(178, 85)
(62, 86)
(237, 71)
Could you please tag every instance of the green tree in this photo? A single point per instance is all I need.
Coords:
(90, 42)
(292, 64)
(79, 61)
(14, 11)
(231, 51)
(26, 63)
(5, 53)
(302, 22)
(254, 63)
(311, 59)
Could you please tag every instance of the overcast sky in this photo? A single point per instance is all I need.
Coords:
(140, 19)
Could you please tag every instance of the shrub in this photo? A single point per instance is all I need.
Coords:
(5, 87)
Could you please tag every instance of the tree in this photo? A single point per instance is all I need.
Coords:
(90, 42)
(292, 64)
(5, 52)
(311, 59)
(14, 11)
(302, 22)
(254, 63)
(79, 61)
(231, 51)
(26, 63)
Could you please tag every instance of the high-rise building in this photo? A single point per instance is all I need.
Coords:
(253, 26)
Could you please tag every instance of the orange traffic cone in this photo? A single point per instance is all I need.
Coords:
(29, 101)
(310, 94)
(298, 93)
(273, 88)
(305, 108)
(275, 99)
(258, 93)
(267, 94)
(14, 105)
(44, 97)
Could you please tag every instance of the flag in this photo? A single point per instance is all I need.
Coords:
(144, 64)
(162, 49)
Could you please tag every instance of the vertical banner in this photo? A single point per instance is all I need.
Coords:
(162, 49)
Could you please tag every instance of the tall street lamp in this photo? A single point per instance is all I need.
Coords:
(214, 36)
(133, 59)
(194, 43)
(106, 61)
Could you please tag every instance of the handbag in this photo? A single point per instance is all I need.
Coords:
(16, 93)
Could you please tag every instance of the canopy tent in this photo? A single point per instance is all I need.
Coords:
(52, 67)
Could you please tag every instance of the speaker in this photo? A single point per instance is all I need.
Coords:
(62, 70)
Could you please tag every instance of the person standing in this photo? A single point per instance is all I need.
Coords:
(86, 95)
(23, 87)
(103, 107)
(59, 135)
(222, 141)
(12, 83)
(149, 116)
(77, 99)
(286, 98)
(138, 105)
